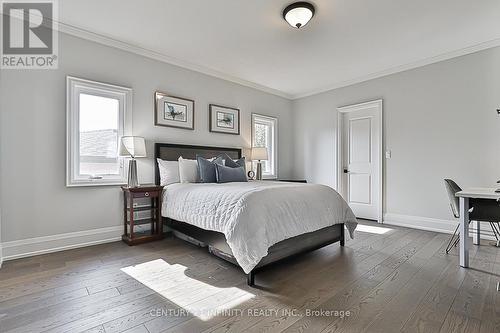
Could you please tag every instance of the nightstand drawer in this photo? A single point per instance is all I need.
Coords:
(147, 194)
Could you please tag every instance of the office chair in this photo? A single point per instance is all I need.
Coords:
(482, 214)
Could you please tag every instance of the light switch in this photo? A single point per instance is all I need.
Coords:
(388, 154)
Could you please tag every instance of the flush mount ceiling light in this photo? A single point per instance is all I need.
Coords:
(298, 14)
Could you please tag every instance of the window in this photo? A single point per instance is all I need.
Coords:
(265, 134)
(96, 120)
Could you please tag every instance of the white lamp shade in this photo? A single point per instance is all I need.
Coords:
(133, 146)
(298, 14)
(259, 154)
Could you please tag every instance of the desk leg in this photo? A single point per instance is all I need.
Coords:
(476, 237)
(464, 232)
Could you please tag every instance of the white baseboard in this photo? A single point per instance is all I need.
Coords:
(47, 244)
(432, 224)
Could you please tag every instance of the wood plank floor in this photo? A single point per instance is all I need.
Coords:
(388, 279)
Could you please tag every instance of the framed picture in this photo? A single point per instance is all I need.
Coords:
(224, 119)
(174, 111)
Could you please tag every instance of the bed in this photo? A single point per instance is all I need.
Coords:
(254, 224)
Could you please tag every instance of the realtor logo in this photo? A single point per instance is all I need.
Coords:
(29, 40)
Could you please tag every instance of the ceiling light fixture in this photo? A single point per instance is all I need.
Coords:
(298, 14)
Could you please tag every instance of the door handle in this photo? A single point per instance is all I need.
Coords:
(346, 171)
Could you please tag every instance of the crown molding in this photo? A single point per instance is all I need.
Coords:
(112, 42)
(428, 61)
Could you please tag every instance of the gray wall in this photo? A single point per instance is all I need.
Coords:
(439, 121)
(35, 201)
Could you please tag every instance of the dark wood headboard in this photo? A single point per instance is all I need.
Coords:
(172, 152)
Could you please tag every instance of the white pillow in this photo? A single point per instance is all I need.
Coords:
(188, 171)
(169, 172)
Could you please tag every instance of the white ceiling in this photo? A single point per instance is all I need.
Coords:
(247, 41)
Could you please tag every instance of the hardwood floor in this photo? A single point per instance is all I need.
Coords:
(387, 279)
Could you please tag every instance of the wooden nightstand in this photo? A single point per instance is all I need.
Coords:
(135, 229)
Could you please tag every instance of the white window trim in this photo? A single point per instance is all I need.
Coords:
(274, 174)
(74, 86)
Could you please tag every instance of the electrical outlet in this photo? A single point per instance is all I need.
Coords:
(388, 154)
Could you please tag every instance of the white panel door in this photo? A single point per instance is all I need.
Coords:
(361, 157)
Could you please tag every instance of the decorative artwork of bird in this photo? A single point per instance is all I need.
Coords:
(172, 113)
(225, 120)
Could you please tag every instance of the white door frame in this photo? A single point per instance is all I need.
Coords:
(340, 151)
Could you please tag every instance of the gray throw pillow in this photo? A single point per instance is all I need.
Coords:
(206, 169)
(227, 174)
(229, 162)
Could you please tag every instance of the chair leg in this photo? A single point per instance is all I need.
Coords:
(495, 226)
(453, 242)
(496, 229)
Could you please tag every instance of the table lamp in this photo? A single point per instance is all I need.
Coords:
(133, 147)
(259, 154)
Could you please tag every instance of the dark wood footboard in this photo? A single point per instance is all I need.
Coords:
(217, 245)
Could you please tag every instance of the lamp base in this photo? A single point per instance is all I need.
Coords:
(132, 174)
(259, 171)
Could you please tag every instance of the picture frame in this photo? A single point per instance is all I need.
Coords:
(173, 111)
(224, 119)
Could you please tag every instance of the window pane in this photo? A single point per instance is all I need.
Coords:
(268, 164)
(99, 124)
(264, 135)
(260, 135)
(262, 139)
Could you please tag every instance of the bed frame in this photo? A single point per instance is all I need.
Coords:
(215, 242)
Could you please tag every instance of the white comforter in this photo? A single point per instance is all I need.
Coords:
(256, 215)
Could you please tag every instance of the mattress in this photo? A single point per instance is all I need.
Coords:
(256, 215)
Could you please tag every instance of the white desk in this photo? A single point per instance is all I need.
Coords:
(465, 195)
